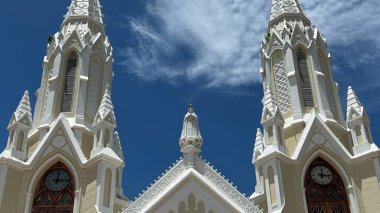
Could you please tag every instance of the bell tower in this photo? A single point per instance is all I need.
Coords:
(307, 145)
(67, 154)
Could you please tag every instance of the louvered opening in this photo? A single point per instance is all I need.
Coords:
(307, 94)
(68, 88)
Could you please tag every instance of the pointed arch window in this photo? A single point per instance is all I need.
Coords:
(325, 191)
(55, 191)
(306, 91)
(69, 80)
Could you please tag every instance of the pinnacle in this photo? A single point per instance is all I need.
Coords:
(106, 104)
(24, 107)
(259, 137)
(353, 101)
(269, 100)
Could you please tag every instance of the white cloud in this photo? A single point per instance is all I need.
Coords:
(216, 42)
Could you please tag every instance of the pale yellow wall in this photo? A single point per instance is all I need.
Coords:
(89, 190)
(367, 187)
(12, 195)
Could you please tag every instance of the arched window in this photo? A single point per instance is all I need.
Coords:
(20, 140)
(306, 92)
(55, 191)
(325, 191)
(107, 188)
(69, 80)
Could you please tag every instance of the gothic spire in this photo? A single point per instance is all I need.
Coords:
(24, 107)
(191, 139)
(84, 9)
(353, 102)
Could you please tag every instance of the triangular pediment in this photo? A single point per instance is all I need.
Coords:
(275, 43)
(299, 37)
(74, 40)
(60, 139)
(109, 118)
(317, 135)
(24, 120)
(201, 186)
(267, 115)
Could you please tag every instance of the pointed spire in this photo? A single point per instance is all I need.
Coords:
(24, 107)
(268, 101)
(259, 141)
(106, 104)
(191, 139)
(106, 108)
(84, 9)
(353, 102)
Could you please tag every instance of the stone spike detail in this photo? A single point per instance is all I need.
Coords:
(83, 9)
(353, 101)
(191, 139)
(291, 7)
(24, 107)
(259, 142)
(106, 104)
(269, 101)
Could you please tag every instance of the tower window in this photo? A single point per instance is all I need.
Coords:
(68, 88)
(306, 92)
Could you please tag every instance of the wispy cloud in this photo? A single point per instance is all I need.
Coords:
(216, 42)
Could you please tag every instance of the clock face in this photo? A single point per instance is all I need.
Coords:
(321, 175)
(57, 180)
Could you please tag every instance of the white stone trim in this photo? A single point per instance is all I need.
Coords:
(42, 168)
(336, 165)
(3, 175)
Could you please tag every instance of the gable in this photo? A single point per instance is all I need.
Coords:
(202, 186)
(191, 193)
(317, 135)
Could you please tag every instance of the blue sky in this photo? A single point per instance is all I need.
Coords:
(170, 53)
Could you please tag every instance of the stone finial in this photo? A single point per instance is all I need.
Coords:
(286, 7)
(84, 9)
(24, 107)
(353, 102)
(191, 139)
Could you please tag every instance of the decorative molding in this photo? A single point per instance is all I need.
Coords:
(158, 187)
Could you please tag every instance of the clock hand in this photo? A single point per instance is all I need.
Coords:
(56, 180)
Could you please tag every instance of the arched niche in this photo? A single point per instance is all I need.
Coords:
(325, 190)
(55, 191)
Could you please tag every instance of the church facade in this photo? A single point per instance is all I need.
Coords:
(67, 157)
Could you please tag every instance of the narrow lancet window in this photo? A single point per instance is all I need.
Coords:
(68, 87)
(306, 92)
